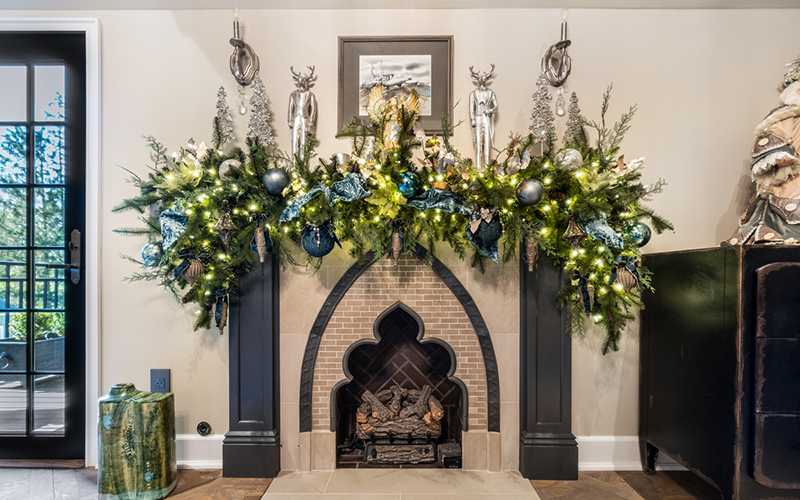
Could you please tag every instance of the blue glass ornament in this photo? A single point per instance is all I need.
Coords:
(275, 181)
(151, 254)
(409, 184)
(639, 232)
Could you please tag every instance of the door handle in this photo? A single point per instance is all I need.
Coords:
(74, 257)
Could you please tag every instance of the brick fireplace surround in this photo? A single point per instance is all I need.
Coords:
(415, 285)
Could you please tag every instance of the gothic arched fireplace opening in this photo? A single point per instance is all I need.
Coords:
(400, 400)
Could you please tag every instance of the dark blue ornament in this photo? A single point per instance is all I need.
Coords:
(409, 184)
(318, 241)
(151, 254)
(275, 180)
(639, 232)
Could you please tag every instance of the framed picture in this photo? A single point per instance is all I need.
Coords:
(400, 63)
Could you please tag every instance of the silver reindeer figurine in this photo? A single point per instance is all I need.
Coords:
(482, 105)
(302, 111)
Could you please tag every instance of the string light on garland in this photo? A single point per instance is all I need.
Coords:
(379, 200)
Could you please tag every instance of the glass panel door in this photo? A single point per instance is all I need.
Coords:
(42, 151)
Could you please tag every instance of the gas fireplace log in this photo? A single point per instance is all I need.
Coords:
(419, 408)
(432, 423)
(378, 410)
(437, 411)
(397, 399)
(384, 396)
(412, 396)
(414, 427)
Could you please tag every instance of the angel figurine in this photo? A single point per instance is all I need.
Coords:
(482, 105)
(390, 114)
(302, 111)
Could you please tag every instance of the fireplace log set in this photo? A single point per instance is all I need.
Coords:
(398, 413)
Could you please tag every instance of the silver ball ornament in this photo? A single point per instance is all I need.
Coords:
(226, 167)
(569, 159)
(275, 180)
(530, 192)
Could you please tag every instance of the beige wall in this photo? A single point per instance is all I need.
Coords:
(702, 80)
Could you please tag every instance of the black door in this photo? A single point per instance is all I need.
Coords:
(42, 213)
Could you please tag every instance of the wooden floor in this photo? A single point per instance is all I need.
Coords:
(209, 484)
(628, 485)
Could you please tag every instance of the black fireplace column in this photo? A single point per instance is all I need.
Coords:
(252, 445)
(547, 449)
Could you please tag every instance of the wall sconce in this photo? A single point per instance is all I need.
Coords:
(556, 63)
(244, 61)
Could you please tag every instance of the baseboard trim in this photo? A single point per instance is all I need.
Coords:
(601, 453)
(199, 452)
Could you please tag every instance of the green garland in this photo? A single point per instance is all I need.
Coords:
(603, 186)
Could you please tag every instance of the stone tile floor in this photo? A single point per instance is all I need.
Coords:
(48, 484)
(400, 484)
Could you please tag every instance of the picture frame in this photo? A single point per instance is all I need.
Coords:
(400, 63)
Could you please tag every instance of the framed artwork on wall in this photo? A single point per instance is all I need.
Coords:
(400, 63)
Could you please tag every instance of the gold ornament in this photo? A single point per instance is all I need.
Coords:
(397, 246)
(574, 234)
(626, 279)
(224, 320)
(261, 243)
(195, 269)
(225, 226)
(531, 249)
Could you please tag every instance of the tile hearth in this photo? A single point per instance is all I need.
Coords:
(400, 484)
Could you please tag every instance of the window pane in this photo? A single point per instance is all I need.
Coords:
(48, 348)
(12, 404)
(49, 154)
(12, 285)
(48, 404)
(49, 217)
(12, 217)
(49, 94)
(13, 155)
(49, 291)
(13, 93)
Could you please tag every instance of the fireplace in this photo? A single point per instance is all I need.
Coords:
(400, 400)
(285, 362)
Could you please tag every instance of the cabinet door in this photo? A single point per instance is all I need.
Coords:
(777, 377)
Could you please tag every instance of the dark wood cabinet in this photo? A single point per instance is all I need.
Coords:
(720, 367)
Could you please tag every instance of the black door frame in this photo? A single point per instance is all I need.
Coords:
(68, 48)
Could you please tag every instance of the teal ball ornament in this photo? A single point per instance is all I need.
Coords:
(639, 232)
(275, 181)
(530, 192)
(151, 254)
(409, 184)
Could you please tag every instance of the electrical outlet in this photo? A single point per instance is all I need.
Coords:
(159, 380)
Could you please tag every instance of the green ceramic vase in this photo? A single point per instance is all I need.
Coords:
(136, 439)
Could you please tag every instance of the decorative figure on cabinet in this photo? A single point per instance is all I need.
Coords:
(482, 105)
(772, 215)
(302, 111)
